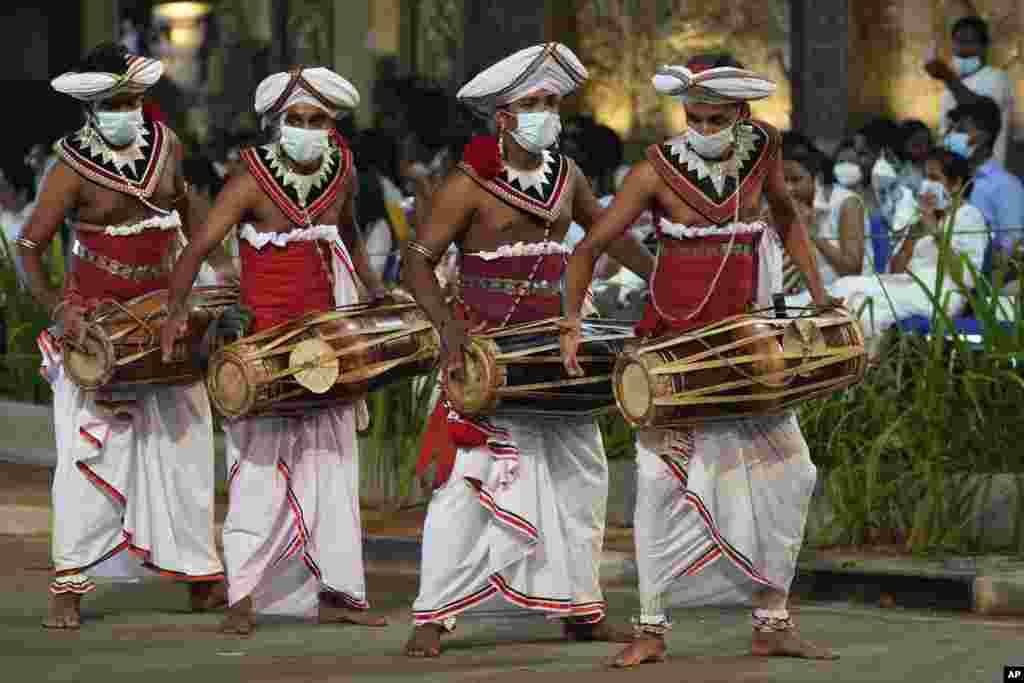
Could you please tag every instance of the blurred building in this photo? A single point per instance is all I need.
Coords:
(838, 62)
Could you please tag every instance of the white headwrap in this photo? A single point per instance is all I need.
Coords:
(720, 85)
(318, 86)
(551, 67)
(140, 74)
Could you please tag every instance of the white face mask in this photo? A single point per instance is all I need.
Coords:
(966, 66)
(711, 146)
(933, 187)
(119, 128)
(536, 130)
(848, 174)
(304, 144)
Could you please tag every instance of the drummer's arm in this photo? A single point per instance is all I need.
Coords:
(793, 231)
(58, 195)
(353, 238)
(637, 193)
(227, 212)
(448, 216)
(626, 250)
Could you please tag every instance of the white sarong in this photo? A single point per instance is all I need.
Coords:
(720, 512)
(293, 528)
(521, 519)
(137, 476)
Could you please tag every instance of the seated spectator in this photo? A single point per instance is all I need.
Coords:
(841, 231)
(908, 289)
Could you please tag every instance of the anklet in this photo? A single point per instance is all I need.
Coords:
(770, 621)
(79, 584)
(655, 626)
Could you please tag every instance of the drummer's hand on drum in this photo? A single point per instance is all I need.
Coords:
(455, 343)
(71, 317)
(174, 328)
(569, 336)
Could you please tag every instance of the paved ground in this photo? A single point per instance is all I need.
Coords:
(142, 632)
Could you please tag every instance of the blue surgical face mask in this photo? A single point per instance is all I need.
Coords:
(935, 188)
(119, 128)
(966, 66)
(958, 143)
(304, 144)
(536, 130)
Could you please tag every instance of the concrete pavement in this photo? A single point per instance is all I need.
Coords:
(141, 632)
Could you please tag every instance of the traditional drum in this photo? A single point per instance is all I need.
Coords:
(121, 343)
(518, 369)
(743, 366)
(321, 359)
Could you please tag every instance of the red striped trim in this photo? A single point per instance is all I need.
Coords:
(730, 551)
(347, 599)
(146, 555)
(504, 516)
(548, 208)
(453, 608)
(529, 601)
(98, 480)
(712, 554)
(96, 443)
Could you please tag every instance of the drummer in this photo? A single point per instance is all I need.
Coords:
(720, 509)
(292, 537)
(520, 518)
(134, 471)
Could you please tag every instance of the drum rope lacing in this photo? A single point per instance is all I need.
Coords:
(736, 367)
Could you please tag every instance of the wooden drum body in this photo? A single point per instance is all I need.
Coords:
(518, 370)
(321, 359)
(121, 345)
(744, 366)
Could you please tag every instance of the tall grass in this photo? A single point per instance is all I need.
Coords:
(913, 448)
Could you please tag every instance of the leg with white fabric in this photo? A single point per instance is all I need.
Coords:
(134, 475)
(293, 520)
(454, 566)
(656, 513)
(579, 471)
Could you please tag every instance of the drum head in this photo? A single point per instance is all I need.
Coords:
(320, 375)
(91, 363)
(472, 393)
(634, 390)
(229, 384)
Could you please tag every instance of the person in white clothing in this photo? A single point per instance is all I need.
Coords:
(292, 537)
(971, 76)
(840, 236)
(912, 284)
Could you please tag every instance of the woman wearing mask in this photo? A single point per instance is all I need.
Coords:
(919, 252)
(841, 231)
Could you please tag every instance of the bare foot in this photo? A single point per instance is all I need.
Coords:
(787, 644)
(239, 618)
(207, 595)
(330, 614)
(425, 641)
(644, 648)
(601, 631)
(64, 613)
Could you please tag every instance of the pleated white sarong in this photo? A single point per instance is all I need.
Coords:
(720, 512)
(293, 528)
(138, 476)
(521, 520)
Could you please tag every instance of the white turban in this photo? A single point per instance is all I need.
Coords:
(551, 67)
(318, 86)
(719, 85)
(140, 74)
